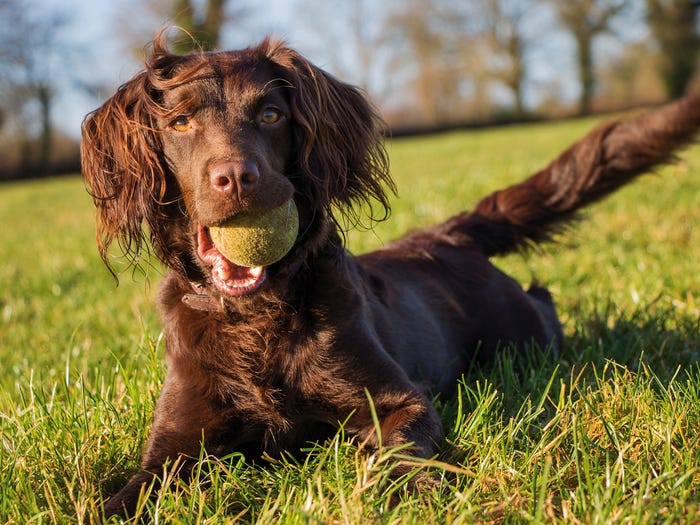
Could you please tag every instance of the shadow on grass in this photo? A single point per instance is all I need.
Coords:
(528, 387)
(496, 426)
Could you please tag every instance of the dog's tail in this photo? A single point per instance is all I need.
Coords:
(607, 158)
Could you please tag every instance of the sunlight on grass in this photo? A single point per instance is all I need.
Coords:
(607, 433)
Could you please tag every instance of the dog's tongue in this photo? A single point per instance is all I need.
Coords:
(229, 278)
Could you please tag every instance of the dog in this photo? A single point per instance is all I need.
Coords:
(264, 360)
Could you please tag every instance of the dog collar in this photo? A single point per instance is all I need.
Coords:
(199, 300)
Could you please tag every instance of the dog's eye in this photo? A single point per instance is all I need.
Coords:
(270, 115)
(181, 123)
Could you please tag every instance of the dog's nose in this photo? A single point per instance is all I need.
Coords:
(236, 178)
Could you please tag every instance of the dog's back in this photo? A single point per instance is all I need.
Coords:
(468, 309)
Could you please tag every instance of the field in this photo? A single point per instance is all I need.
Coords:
(607, 433)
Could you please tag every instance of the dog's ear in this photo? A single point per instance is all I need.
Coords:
(339, 137)
(122, 164)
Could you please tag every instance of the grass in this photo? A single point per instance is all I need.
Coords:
(605, 434)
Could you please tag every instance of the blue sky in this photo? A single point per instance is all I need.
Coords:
(103, 54)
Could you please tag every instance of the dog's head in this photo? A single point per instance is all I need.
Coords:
(196, 139)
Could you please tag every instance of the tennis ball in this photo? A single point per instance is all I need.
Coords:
(258, 239)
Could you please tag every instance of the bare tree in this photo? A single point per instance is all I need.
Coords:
(351, 39)
(506, 38)
(201, 23)
(674, 25)
(204, 25)
(29, 48)
(630, 78)
(586, 20)
(429, 39)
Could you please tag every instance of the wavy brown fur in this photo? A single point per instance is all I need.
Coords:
(610, 156)
(263, 368)
(342, 162)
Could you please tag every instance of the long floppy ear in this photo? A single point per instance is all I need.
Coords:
(339, 138)
(123, 167)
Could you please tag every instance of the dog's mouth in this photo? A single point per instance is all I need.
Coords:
(229, 278)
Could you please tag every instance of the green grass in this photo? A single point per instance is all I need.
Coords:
(605, 434)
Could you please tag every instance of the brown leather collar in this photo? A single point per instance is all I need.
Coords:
(199, 300)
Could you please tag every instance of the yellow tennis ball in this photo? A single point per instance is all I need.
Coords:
(258, 239)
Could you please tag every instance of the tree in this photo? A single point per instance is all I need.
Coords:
(203, 25)
(199, 24)
(673, 24)
(586, 20)
(350, 40)
(429, 58)
(30, 52)
(507, 41)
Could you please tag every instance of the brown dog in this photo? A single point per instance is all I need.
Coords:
(266, 359)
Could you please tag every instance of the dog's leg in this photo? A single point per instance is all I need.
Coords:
(124, 502)
(405, 418)
(387, 409)
(407, 423)
(179, 426)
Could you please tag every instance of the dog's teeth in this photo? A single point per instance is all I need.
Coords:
(224, 273)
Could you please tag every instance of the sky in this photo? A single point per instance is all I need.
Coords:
(103, 55)
(93, 31)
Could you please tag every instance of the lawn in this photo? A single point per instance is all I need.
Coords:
(607, 433)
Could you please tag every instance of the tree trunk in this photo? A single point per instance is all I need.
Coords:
(205, 31)
(585, 71)
(213, 22)
(673, 25)
(44, 96)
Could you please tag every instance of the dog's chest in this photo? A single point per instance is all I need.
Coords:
(272, 404)
(267, 375)
(262, 372)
